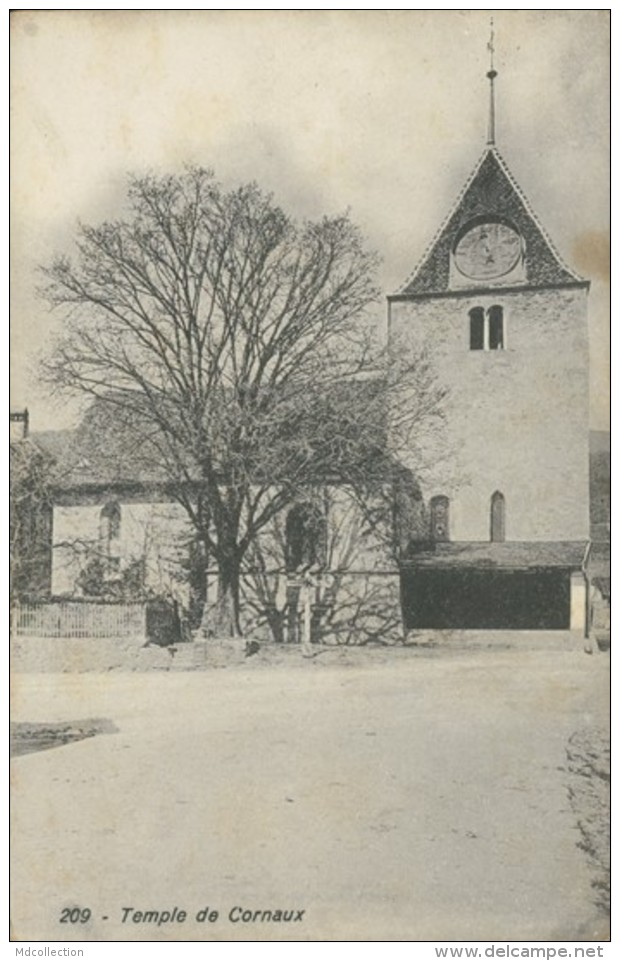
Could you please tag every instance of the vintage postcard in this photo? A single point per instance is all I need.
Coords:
(310, 476)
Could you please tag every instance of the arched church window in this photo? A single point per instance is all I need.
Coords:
(476, 328)
(306, 537)
(496, 327)
(498, 517)
(440, 518)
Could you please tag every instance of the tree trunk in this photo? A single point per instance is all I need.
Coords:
(222, 620)
(198, 567)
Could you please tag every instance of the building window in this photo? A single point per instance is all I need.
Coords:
(306, 537)
(486, 328)
(498, 517)
(476, 328)
(109, 535)
(440, 518)
(495, 316)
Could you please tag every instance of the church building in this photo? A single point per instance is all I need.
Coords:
(495, 529)
(505, 534)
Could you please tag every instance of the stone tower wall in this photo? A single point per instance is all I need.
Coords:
(516, 419)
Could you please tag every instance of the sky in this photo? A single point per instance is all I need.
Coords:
(382, 113)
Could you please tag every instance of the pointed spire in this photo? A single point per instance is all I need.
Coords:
(491, 74)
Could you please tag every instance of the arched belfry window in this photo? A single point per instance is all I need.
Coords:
(476, 328)
(306, 537)
(496, 328)
(109, 534)
(487, 328)
(498, 517)
(440, 518)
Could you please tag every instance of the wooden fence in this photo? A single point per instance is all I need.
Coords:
(72, 619)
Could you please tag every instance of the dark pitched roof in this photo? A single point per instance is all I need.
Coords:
(491, 191)
(507, 555)
(105, 449)
(114, 447)
(52, 442)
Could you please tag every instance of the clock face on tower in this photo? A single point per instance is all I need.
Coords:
(488, 251)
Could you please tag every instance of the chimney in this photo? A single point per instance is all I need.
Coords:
(18, 424)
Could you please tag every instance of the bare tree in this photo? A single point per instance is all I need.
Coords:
(235, 348)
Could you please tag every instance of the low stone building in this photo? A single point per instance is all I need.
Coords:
(119, 531)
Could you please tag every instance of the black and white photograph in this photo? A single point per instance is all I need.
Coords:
(310, 475)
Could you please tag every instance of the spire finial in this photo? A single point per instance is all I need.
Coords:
(491, 74)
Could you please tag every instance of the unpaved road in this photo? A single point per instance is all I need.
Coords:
(426, 799)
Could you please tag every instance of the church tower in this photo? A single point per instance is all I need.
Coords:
(505, 480)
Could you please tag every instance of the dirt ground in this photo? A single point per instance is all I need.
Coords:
(396, 795)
